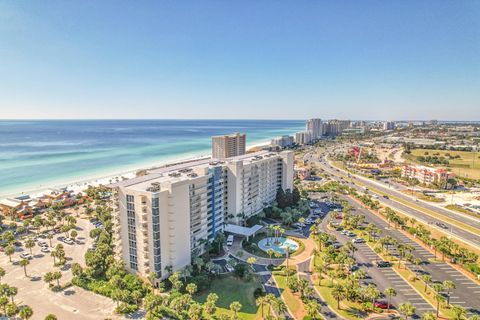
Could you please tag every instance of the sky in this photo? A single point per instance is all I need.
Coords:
(243, 59)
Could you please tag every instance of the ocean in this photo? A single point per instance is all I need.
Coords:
(35, 155)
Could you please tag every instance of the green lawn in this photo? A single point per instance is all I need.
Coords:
(294, 303)
(230, 289)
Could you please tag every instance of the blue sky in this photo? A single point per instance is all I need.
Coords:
(240, 59)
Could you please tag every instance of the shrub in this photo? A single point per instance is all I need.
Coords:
(258, 293)
(126, 308)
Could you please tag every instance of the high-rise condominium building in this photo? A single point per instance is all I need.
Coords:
(388, 125)
(228, 146)
(162, 217)
(314, 126)
(282, 142)
(303, 137)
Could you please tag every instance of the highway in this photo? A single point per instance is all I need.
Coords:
(452, 230)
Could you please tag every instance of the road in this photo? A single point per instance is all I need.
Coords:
(467, 292)
(453, 230)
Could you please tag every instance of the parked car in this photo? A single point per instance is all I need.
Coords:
(68, 241)
(25, 255)
(42, 243)
(381, 304)
(229, 268)
(386, 197)
(45, 250)
(351, 234)
(358, 240)
(383, 264)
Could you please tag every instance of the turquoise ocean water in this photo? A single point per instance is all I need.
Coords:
(37, 154)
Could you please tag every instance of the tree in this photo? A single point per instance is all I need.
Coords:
(29, 244)
(51, 317)
(9, 251)
(427, 279)
(2, 273)
(251, 261)
(338, 293)
(449, 285)
(406, 309)
(438, 296)
(429, 316)
(73, 234)
(459, 313)
(57, 275)
(270, 253)
(26, 312)
(210, 305)
(11, 292)
(313, 309)
(11, 310)
(235, 307)
(262, 302)
(390, 292)
(24, 263)
(3, 303)
(191, 288)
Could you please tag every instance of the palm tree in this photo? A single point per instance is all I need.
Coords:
(3, 303)
(390, 292)
(48, 278)
(270, 253)
(251, 261)
(235, 307)
(29, 244)
(191, 288)
(449, 285)
(261, 302)
(9, 251)
(438, 295)
(2, 273)
(24, 263)
(429, 316)
(50, 237)
(338, 293)
(313, 309)
(57, 275)
(26, 312)
(459, 313)
(11, 292)
(280, 306)
(407, 309)
(210, 305)
(427, 279)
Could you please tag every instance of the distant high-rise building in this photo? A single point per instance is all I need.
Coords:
(314, 127)
(335, 127)
(389, 125)
(303, 137)
(282, 142)
(228, 146)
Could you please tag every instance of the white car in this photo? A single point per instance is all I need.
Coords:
(25, 255)
(229, 268)
(68, 241)
(358, 240)
(45, 250)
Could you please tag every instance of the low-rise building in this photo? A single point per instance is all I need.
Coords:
(427, 175)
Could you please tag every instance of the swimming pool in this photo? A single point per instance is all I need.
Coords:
(280, 244)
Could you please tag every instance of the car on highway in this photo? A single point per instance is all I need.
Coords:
(383, 264)
(381, 304)
(442, 225)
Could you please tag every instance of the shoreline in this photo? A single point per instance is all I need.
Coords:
(95, 180)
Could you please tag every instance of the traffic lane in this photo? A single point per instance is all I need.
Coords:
(467, 290)
(324, 308)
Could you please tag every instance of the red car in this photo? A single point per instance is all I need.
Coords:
(381, 304)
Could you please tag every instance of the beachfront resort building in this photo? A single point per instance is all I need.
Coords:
(303, 137)
(160, 218)
(427, 175)
(228, 146)
(314, 127)
(282, 141)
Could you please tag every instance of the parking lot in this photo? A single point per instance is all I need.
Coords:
(71, 303)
